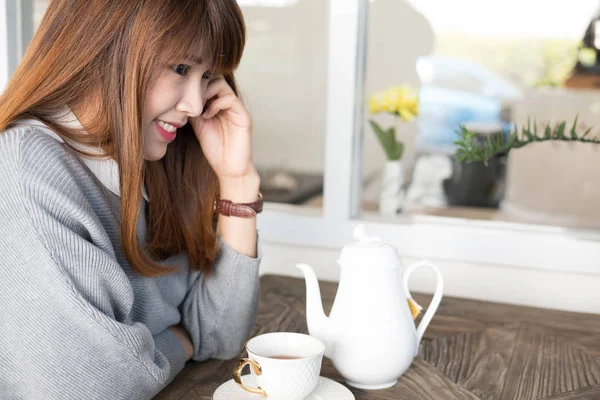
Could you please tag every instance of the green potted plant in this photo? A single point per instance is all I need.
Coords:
(470, 150)
(551, 170)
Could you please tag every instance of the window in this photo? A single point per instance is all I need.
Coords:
(283, 78)
(489, 66)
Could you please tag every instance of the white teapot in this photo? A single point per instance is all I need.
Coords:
(370, 334)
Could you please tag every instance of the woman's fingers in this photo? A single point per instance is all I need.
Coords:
(225, 102)
(217, 87)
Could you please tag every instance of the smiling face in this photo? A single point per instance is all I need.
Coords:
(176, 95)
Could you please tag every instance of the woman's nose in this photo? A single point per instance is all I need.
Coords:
(191, 101)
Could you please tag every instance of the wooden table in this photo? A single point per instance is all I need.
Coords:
(471, 350)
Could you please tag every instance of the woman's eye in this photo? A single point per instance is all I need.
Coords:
(206, 75)
(181, 69)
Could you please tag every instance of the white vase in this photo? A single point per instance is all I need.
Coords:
(391, 198)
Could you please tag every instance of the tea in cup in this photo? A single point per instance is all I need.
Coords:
(287, 365)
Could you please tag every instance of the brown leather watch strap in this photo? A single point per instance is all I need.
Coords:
(243, 210)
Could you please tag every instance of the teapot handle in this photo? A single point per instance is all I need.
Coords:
(435, 302)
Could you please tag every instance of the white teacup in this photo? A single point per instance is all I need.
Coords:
(287, 365)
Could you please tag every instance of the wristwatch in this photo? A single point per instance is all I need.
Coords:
(244, 210)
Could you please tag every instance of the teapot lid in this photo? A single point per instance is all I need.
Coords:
(369, 252)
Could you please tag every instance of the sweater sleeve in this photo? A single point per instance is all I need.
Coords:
(64, 300)
(220, 309)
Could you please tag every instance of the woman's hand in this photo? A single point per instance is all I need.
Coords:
(224, 131)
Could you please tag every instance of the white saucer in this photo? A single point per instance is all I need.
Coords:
(326, 390)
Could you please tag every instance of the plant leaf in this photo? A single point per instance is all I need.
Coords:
(548, 131)
(392, 148)
(470, 150)
(561, 130)
(574, 126)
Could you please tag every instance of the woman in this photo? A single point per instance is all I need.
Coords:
(128, 199)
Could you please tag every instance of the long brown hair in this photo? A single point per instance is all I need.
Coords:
(117, 47)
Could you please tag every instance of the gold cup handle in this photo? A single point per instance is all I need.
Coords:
(237, 375)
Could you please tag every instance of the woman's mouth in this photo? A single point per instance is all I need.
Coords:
(167, 130)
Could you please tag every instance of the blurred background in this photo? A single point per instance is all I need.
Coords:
(488, 65)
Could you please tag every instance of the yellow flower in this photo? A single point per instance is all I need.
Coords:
(389, 102)
(402, 101)
(408, 108)
(375, 105)
(406, 115)
(407, 103)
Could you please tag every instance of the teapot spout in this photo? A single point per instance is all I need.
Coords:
(318, 323)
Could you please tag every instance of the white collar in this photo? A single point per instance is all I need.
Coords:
(106, 169)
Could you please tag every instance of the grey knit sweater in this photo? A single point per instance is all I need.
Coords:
(76, 321)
